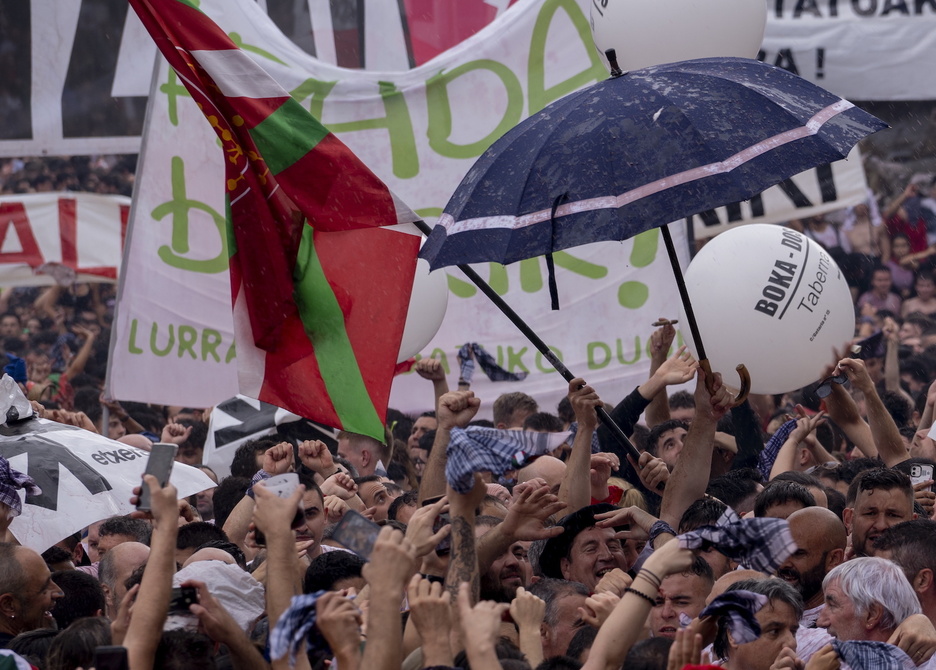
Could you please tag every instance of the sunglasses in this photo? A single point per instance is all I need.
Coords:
(824, 390)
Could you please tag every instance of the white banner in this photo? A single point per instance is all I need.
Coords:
(420, 131)
(84, 94)
(45, 237)
(817, 191)
(858, 49)
(84, 478)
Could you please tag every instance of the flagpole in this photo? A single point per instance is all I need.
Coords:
(535, 340)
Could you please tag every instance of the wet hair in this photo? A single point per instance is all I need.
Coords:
(195, 534)
(881, 478)
(735, 486)
(329, 568)
(581, 642)
(509, 404)
(649, 654)
(703, 512)
(183, 650)
(74, 647)
(544, 422)
(836, 502)
(682, 400)
(912, 545)
(774, 589)
(33, 645)
(226, 496)
(54, 555)
(83, 597)
(138, 529)
(551, 591)
(408, 499)
(244, 463)
(848, 470)
(780, 492)
(658, 430)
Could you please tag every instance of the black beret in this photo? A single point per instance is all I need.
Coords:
(558, 547)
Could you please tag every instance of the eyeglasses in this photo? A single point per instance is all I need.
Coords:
(824, 390)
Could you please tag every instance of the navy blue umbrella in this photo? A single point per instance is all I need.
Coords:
(638, 151)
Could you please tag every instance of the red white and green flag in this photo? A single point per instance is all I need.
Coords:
(321, 273)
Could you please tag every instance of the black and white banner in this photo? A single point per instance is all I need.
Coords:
(77, 74)
(241, 419)
(84, 478)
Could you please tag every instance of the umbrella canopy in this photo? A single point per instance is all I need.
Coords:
(638, 151)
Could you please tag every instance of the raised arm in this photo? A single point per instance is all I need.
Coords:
(149, 612)
(456, 409)
(575, 488)
(786, 457)
(660, 342)
(884, 431)
(431, 369)
(691, 474)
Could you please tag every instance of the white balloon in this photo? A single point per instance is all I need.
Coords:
(772, 299)
(427, 306)
(650, 32)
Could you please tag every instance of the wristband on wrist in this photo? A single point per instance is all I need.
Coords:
(658, 529)
(641, 594)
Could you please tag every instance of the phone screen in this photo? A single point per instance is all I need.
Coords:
(110, 658)
(161, 458)
(357, 533)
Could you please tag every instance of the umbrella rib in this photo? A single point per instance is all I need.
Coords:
(811, 127)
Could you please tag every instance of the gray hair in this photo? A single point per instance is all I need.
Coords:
(871, 580)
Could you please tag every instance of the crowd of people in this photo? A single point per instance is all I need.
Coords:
(776, 533)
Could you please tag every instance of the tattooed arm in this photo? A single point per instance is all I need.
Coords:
(463, 564)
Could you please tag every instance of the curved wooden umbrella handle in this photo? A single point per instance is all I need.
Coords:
(743, 373)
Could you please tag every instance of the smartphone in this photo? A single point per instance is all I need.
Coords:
(357, 533)
(110, 658)
(161, 458)
(445, 544)
(182, 597)
(283, 486)
(921, 473)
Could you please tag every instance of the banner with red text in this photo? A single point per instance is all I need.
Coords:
(48, 238)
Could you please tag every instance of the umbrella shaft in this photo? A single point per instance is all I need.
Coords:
(535, 340)
(683, 292)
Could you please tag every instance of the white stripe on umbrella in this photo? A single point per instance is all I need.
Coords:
(811, 127)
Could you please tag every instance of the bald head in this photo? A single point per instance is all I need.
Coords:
(116, 566)
(820, 539)
(818, 527)
(722, 583)
(545, 467)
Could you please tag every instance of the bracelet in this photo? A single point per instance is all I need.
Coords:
(658, 529)
(650, 600)
(655, 577)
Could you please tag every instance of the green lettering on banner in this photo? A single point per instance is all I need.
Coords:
(173, 91)
(539, 95)
(440, 110)
(188, 336)
(231, 353)
(620, 352)
(594, 348)
(403, 153)
(210, 339)
(154, 331)
(541, 360)
(515, 360)
(132, 345)
(440, 354)
(179, 208)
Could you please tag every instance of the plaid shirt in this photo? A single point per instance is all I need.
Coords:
(740, 608)
(10, 482)
(295, 626)
(487, 362)
(760, 544)
(769, 453)
(478, 449)
(867, 655)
